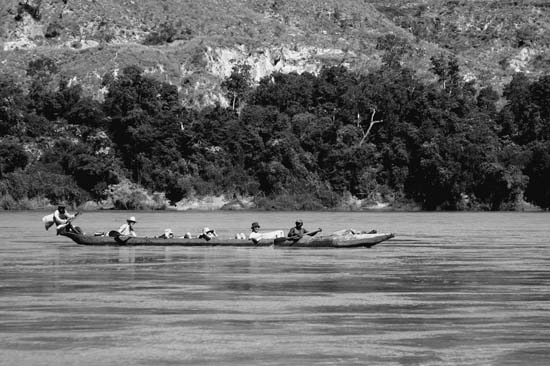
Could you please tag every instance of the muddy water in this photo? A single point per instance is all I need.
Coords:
(450, 289)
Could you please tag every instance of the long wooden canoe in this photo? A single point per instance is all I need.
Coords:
(339, 241)
(347, 241)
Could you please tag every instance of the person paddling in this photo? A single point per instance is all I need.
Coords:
(62, 220)
(128, 228)
(297, 232)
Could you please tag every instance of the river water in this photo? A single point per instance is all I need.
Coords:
(449, 289)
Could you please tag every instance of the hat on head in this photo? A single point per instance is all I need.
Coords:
(168, 231)
(61, 205)
(132, 219)
(255, 224)
(206, 230)
(299, 221)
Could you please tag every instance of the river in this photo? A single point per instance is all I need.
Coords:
(449, 289)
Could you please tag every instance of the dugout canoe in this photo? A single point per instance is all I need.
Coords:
(347, 241)
(336, 241)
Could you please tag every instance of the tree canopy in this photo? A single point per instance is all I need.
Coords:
(298, 141)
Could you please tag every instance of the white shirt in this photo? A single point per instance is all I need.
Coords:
(61, 219)
(255, 236)
(269, 235)
(126, 230)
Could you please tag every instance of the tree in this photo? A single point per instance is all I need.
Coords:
(372, 122)
(12, 157)
(87, 112)
(517, 116)
(540, 94)
(42, 67)
(435, 178)
(42, 90)
(394, 48)
(447, 70)
(165, 33)
(538, 171)
(12, 104)
(486, 101)
(146, 123)
(238, 84)
(92, 172)
(499, 185)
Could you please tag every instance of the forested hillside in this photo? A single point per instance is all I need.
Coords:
(297, 105)
(293, 141)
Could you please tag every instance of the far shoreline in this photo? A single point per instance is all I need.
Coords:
(217, 210)
(220, 203)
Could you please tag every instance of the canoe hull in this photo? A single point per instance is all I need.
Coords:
(349, 241)
(151, 241)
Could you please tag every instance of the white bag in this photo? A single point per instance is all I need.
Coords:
(48, 221)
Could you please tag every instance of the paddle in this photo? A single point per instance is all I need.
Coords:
(69, 225)
(76, 229)
(311, 233)
(74, 217)
(122, 239)
(77, 213)
(294, 239)
(119, 238)
(281, 240)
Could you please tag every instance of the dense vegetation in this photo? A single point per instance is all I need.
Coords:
(293, 141)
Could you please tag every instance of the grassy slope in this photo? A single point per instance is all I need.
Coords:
(482, 33)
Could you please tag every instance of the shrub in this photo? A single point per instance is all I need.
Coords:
(130, 196)
(526, 35)
(39, 184)
(53, 30)
(167, 33)
(12, 157)
(33, 11)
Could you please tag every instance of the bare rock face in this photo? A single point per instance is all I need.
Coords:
(520, 62)
(266, 61)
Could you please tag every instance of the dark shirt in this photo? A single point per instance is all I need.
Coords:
(295, 232)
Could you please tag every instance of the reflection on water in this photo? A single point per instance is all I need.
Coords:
(450, 289)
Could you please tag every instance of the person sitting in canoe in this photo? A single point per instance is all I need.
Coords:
(168, 234)
(208, 234)
(351, 231)
(256, 236)
(62, 220)
(298, 231)
(128, 228)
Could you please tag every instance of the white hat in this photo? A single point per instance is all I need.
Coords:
(168, 231)
(132, 219)
(206, 230)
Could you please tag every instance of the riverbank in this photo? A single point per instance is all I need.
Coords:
(158, 201)
(223, 203)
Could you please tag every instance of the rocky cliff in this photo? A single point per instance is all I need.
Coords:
(194, 45)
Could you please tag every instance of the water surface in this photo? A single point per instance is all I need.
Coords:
(450, 289)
